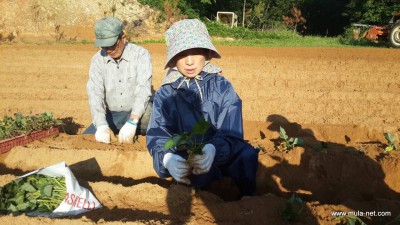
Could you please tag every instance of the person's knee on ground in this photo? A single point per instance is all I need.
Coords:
(243, 170)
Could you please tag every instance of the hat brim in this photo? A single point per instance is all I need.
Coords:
(106, 42)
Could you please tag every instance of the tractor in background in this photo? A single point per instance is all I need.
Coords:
(389, 32)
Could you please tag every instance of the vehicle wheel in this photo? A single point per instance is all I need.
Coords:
(394, 36)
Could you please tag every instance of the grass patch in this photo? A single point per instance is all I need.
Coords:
(239, 36)
(150, 41)
(295, 41)
(289, 41)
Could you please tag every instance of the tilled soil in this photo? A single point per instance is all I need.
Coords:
(345, 98)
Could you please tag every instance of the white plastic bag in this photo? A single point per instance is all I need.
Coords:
(77, 200)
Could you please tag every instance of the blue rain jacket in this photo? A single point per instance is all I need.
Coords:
(176, 110)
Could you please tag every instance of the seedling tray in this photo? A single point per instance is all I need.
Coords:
(6, 145)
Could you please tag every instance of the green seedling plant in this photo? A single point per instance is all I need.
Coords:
(187, 141)
(23, 125)
(33, 193)
(293, 208)
(353, 220)
(349, 220)
(287, 142)
(390, 138)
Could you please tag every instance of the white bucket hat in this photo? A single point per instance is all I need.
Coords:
(186, 34)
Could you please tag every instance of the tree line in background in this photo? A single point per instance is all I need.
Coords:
(309, 17)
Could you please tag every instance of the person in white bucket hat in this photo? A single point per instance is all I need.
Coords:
(119, 85)
(194, 89)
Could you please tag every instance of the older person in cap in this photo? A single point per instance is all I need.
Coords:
(192, 89)
(119, 85)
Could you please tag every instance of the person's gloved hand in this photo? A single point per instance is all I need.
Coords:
(103, 134)
(177, 167)
(127, 133)
(202, 163)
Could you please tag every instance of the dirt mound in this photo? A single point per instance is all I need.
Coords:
(49, 21)
(343, 98)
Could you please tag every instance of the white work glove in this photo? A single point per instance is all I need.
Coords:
(103, 134)
(127, 133)
(202, 163)
(177, 167)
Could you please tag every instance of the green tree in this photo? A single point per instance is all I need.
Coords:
(370, 11)
(256, 17)
(280, 8)
(275, 10)
(324, 17)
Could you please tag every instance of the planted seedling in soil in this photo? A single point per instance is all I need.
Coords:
(294, 207)
(33, 193)
(187, 141)
(349, 220)
(287, 142)
(390, 139)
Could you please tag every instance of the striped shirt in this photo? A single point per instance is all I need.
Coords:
(123, 85)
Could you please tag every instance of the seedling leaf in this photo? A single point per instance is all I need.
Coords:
(28, 187)
(201, 127)
(388, 148)
(12, 208)
(173, 141)
(282, 133)
(289, 143)
(23, 206)
(350, 220)
(189, 141)
(298, 141)
(389, 137)
(46, 190)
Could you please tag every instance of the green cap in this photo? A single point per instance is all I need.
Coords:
(107, 31)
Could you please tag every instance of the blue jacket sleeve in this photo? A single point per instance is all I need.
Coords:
(157, 135)
(228, 139)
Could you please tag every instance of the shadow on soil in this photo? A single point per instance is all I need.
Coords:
(339, 175)
(89, 171)
(330, 173)
(180, 201)
(69, 126)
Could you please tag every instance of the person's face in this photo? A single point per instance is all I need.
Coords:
(191, 62)
(117, 49)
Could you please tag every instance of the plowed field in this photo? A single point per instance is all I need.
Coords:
(345, 98)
